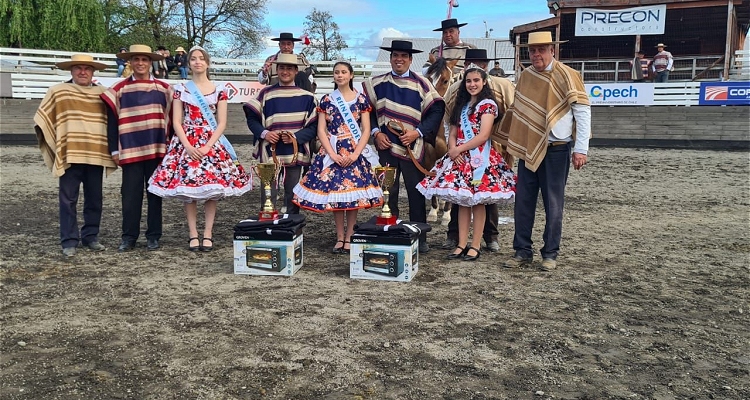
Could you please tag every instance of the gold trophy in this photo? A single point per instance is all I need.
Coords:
(386, 177)
(267, 173)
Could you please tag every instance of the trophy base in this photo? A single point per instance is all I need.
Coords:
(386, 220)
(268, 215)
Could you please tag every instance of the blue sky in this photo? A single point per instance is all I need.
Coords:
(363, 23)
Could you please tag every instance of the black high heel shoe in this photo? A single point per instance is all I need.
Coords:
(454, 256)
(467, 257)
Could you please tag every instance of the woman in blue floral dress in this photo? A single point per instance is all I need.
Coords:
(340, 178)
(472, 173)
(197, 167)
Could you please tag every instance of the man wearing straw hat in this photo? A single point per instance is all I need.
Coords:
(181, 62)
(662, 64)
(409, 98)
(504, 94)
(137, 130)
(268, 76)
(284, 107)
(552, 120)
(451, 47)
(71, 126)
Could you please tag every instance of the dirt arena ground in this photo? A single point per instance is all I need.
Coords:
(651, 302)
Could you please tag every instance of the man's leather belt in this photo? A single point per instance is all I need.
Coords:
(551, 144)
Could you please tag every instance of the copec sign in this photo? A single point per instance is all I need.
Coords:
(724, 94)
(649, 20)
(620, 94)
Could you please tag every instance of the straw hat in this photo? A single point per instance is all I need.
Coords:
(140, 50)
(541, 38)
(288, 59)
(81, 59)
(661, 45)
(179, 48)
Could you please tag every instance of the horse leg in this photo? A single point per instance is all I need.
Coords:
(433, 215)
(446, 218)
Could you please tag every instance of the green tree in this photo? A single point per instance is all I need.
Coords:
(325, 41)
(232, 27)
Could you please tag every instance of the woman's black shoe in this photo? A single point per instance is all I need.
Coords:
(454, 256)
(467, 257)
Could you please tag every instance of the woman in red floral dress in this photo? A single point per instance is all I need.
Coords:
(472, 173)
(197, 167)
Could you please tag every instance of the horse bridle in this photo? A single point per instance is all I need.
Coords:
(397, 128)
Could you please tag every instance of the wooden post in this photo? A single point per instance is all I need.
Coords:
(637, 44)
(728, 47)
(518, 56)
(557, 36)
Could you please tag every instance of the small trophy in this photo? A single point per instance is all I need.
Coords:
(385, 176)
(267, 173)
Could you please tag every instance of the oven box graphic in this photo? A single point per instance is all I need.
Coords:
(261, 256)
(383, 258)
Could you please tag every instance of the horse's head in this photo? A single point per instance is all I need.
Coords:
(440, 73)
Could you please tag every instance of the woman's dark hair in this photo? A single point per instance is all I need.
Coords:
(351, 71)
(464, 97)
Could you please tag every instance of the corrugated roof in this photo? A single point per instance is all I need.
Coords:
(496, 48)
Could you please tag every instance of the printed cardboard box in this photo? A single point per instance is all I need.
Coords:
(258, 256)
(383, 258)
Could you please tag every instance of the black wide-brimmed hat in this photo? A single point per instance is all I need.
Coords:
(286, 36)
(477, 55)
(449, 23)
(401, 45)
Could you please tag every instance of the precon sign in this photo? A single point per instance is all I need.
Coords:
(648, 20)
(620, 94)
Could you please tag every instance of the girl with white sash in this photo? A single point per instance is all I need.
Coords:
(340, 178)
(472, 173)
(198, 166)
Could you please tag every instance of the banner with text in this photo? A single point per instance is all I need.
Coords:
(648, 20)
(237, 91)
(620, 94)
(724, 94)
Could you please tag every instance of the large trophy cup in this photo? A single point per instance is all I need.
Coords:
(267, 173)
(386, 176)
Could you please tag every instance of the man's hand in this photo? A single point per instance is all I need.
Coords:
(409, 137)
(382, 142)
(288, 138)
(272, 137)
(116, 159)
(579, 160)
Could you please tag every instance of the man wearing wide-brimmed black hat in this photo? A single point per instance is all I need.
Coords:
(268, 76)
(452, 46)
(410, 99)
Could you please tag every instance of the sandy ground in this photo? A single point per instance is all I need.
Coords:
(651, 302)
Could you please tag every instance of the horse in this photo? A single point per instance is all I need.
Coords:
(440, 73)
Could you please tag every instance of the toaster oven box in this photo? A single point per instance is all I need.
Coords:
(383, 258)
(255, 256)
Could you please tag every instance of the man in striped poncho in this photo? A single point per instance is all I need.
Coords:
(71, 126)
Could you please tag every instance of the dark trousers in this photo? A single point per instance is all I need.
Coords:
(135, 178)
(551, 178)
(491, 231)
(70, 183)
(662, 77)
(412, 177)
(291, 178)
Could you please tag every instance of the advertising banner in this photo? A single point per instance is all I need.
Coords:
(620, 94)
(724, 94)
(648, 20)
(237, 91)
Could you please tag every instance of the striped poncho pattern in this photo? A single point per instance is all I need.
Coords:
(71, 127)
(542, 98)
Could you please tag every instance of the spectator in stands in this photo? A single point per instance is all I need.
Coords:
(71, 125)
(159, 66)
(662, 64)
(639, 67)
(181, 62)
(121, 63)
(497, 71)
(169, 60)
(268, 76)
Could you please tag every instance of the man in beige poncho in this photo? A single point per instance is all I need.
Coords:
(549, 119)
(71, 127)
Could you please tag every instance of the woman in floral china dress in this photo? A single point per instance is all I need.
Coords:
(197, 167)
(340, 178)
(472, 173)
